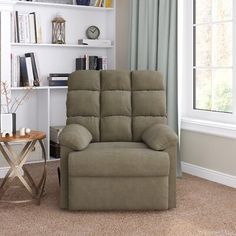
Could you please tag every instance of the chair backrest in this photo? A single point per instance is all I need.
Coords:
(116, 105)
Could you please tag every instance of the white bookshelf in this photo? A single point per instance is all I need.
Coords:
(58, 45)
(47, 105)
(57, 5)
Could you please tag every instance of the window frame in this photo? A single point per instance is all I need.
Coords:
(192, 119)
(211, 68)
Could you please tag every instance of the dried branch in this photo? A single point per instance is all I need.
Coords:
(5, 92)
(22, 99)
(12, 103)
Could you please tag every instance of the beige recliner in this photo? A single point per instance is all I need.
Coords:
(117, 153)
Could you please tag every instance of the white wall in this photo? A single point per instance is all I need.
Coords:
(209, 151)
(122, 34)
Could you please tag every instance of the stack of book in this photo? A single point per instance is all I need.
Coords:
(24, 70)
(25, 28)
(91, 63)
(94, 3)
(58, 79)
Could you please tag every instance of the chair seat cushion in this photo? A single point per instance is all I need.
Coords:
(118, 159)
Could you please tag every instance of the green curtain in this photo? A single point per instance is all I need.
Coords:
(154, 47)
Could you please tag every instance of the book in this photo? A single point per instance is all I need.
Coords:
(86, 62)
(31, 55)
(104, 63)
(83, 2)
(21, 33)
(58, 78)
(93, 62)
(17, 36)
(92, 3)
(15, 70)
(107, 3)
(13, 30)
(99, 64)
(24, 81)
(26, 27)
(29, 71)
(95, 42)
(59, 74)
(98, 3)
(80, 63)
(57, 82)
(32, 26)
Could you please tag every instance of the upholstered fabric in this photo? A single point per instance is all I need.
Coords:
(115, 162)
(118, 193)
(83, 101)
(75, 136)
(64, 188)
(159, 137)
(82, 80)
(140, 83)
(116, 128)
(123, 145)
(116, 111)
(148, 101)
(141, 123)
(116, 81)
(89, 122)
(116, 105)
(117, 171)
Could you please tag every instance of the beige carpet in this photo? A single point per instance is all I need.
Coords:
(203, 208)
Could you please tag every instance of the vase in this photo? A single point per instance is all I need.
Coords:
(8, 123)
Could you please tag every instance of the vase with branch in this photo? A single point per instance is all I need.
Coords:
(10, 105)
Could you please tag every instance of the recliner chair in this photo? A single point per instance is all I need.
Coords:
(117, 153)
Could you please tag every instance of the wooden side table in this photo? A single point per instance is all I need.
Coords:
(17, 162)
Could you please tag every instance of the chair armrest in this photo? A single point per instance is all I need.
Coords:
(159, 137)
(75, 136)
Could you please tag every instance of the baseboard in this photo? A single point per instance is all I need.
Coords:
(4, 170)
(212, 175)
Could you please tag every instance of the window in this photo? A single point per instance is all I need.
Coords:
(213, 55)
(207, 66)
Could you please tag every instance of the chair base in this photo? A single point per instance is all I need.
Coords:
(118, 193)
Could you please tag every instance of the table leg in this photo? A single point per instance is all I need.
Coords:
(13, 171)
(42, 182)
(18, 162)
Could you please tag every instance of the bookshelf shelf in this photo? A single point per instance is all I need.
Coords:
(58, 5)
(38, 88)
(56, 45)
(57, 87)
(25, 88)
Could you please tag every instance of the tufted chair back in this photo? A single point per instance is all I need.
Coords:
(116, 105)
